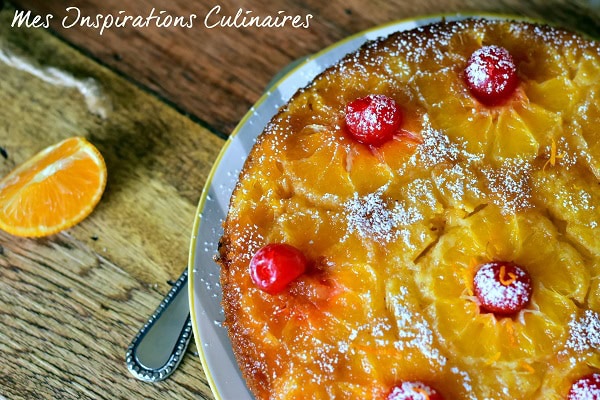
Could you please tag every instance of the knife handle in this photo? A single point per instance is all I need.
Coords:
(159, 346)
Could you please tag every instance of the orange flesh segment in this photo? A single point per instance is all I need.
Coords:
(54, 190)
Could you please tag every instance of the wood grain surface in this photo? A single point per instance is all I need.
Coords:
(158, 103)
(216, 74)
(71, 303)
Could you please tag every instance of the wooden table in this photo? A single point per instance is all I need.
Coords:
(165, 101)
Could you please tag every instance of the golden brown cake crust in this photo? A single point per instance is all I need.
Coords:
(393, 233)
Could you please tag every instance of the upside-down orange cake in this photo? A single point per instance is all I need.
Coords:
(421, 222)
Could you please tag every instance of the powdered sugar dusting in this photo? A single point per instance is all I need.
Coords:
(252, 240)
(414, 330)
(436, 148)
(510, 185)
(460, 182)
(466, 382)
(411, 391)
(371, 216)
(584, 332)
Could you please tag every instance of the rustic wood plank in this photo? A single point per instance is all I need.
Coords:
(217, 74)
(157, 159)
(71, 303)
(67, 317)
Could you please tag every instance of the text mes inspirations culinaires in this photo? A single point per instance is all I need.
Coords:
(215, 18)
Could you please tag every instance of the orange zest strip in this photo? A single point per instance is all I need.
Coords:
(421, 392)
(553, 155)
(527, 367)
(503, 280)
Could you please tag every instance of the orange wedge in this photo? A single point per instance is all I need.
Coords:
(54, 190)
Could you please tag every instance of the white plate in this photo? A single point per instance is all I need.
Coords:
(213, 344)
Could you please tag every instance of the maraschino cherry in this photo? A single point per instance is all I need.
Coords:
(586, 388)
(503, 288)
(491, 75)
(275, 265)
(413, 391)
(373, 120)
